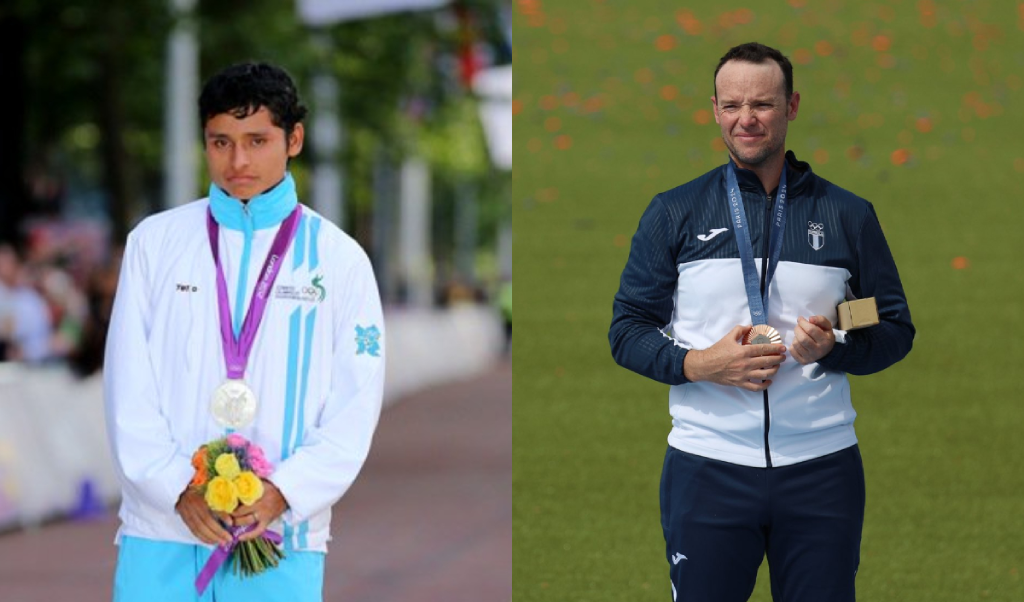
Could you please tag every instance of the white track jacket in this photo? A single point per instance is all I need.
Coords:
(317, 364)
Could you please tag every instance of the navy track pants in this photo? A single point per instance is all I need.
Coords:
(720, 520)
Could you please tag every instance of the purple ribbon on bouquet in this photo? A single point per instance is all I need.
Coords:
(223, 552)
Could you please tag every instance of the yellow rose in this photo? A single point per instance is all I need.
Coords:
(221, 495)
(249, 487)
(227, 466)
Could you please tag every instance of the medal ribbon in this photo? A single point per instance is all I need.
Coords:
(758, 303)
(236, 350)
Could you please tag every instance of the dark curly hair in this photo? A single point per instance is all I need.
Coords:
(243, 88)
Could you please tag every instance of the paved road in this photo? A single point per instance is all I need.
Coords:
(430, 519)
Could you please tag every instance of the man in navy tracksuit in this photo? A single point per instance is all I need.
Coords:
(762, 456)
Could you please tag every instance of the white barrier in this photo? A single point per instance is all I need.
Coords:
(52, 441)
(427, 348)
(54, 458)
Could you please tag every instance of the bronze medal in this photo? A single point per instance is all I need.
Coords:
(762, 334)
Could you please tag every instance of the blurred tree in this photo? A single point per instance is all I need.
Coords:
(232, 31)
(403, 94)
(91, 83)
(90, 69)
(13, 43)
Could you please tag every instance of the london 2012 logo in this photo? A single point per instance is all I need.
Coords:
(816, 235)
(368, 340)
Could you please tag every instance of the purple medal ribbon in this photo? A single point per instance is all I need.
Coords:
(223, 552)
(236, 351)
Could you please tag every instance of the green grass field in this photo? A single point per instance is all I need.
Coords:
(913, 106)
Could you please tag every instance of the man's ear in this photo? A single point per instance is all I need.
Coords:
(296, 139)
(793, 106)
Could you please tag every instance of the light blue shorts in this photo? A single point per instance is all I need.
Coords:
(161, 571)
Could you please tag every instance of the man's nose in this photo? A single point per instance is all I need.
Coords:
(239, 158)
(748, 116)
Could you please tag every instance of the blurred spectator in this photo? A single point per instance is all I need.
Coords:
(88, 358)
(24, 318)
(66, 305)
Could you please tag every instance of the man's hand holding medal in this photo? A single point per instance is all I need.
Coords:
(748, 357)
(732, 363)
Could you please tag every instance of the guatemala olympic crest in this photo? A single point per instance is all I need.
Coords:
(816, 235)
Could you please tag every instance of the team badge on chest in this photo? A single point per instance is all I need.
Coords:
(816, 235)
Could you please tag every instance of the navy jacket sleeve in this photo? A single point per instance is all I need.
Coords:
(644, 303)
(875, 348)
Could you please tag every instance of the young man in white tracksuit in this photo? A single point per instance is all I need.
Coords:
(299, 297)
(730, 295)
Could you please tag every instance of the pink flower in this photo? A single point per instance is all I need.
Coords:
(255, 451)
(260, 465)
(236, 441)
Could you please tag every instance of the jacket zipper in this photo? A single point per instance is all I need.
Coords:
(764, 276)
(248, 227)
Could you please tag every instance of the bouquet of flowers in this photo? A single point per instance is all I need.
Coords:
(228, 473)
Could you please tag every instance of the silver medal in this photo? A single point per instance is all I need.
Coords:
(233, 404)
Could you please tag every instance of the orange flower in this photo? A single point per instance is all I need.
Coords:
(199, 479)
(199, 458)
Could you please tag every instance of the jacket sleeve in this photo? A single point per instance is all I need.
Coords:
(875, 348)
(331, 454)
(643, 306)
(147, 459)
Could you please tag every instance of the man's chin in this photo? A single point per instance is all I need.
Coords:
(752, 158)
(242, 193)
(748, 161)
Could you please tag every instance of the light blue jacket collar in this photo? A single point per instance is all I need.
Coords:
(265, 210)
